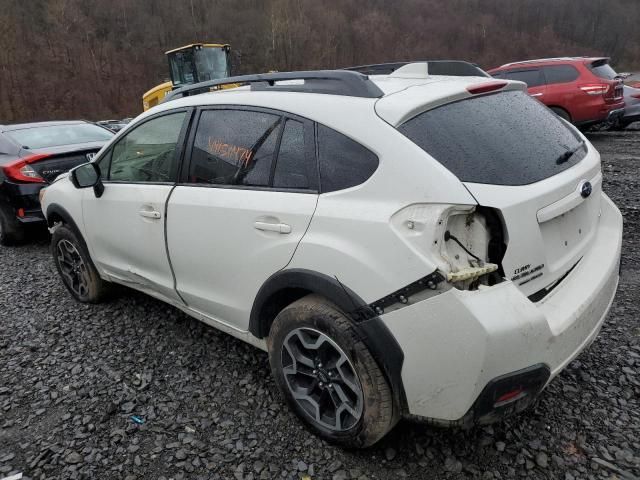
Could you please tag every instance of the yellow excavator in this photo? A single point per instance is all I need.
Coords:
(197, 62)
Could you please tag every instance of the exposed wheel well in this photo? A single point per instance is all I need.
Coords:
(54, 218)
(274, 305)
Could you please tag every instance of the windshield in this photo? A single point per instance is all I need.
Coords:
(602, 69)
(211, 63)
(198, 65)
(56, 135)
(503, 139)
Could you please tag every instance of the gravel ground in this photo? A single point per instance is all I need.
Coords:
(72, 377)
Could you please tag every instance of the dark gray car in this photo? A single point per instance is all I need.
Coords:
(32, 155)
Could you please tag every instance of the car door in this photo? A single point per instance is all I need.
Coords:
(245, 202)
(125, 226)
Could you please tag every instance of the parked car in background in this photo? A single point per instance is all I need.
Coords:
(631, 109)
(394, 252)
(114, 125)
(583, 90)
(32, 155)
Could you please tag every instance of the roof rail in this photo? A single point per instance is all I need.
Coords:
(332, 82)
(456, 68)
(552, 59)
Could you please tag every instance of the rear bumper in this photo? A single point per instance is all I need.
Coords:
(459, 343)
(615, 115)
(22, 200)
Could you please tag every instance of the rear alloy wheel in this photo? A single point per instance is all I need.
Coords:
(75, 267)
(321, 379)
(328, 376)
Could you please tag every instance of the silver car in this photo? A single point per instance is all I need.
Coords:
(631, 108)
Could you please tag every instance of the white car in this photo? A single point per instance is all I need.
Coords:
(401, 245)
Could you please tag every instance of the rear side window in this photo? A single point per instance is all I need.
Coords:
(506, 138)
(560, 73)
(234, 147)
(343, 162)
(295, 167)
(532, 77)
(602, 69)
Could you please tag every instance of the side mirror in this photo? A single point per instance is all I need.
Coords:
(88, 175)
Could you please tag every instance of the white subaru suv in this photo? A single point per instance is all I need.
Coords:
(400, 245)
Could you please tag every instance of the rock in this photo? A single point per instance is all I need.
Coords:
(500, 446)
(390, 454)
(542, 460)
(180, 454)
(73, 458)
(340, 475)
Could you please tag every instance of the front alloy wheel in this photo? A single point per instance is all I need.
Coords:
(75, 267)
(72, 268)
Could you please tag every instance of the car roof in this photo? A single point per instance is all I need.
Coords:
(23, 126)
(548, 61)
(403, 95)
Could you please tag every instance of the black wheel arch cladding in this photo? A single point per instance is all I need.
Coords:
(286, 286)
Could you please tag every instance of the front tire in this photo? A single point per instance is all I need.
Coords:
(75, 267)
(328, 376)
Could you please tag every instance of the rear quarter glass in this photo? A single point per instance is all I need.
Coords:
(505, 138)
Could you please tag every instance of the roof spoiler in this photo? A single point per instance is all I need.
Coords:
(333, 82)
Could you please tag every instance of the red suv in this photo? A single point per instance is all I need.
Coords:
(582, 90)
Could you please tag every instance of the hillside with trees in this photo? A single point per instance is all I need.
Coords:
(94, 58)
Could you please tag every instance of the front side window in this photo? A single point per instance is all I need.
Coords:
(505, 138)
(532, 77)
(234, 147)
(148, 153)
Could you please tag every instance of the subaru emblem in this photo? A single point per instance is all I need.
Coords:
(586, 189)
(90, 156)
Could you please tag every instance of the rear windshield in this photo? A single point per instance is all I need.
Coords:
(506, 138)
(56, 135)
(602, 69)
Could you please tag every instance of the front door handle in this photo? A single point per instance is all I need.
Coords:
(150, 214)
(535, 94)
(273, 227)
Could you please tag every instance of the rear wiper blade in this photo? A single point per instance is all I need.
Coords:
(564, 157)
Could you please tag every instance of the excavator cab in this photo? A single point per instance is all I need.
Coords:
(190, 64)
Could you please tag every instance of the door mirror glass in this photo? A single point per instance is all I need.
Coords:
(87, 175)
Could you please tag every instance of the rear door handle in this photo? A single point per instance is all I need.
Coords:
(272, 227)
(536, 94)
(150, 214)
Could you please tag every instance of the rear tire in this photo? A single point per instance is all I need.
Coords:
(562, 113)
(11, 231)
(74, 265)
(328, 376)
